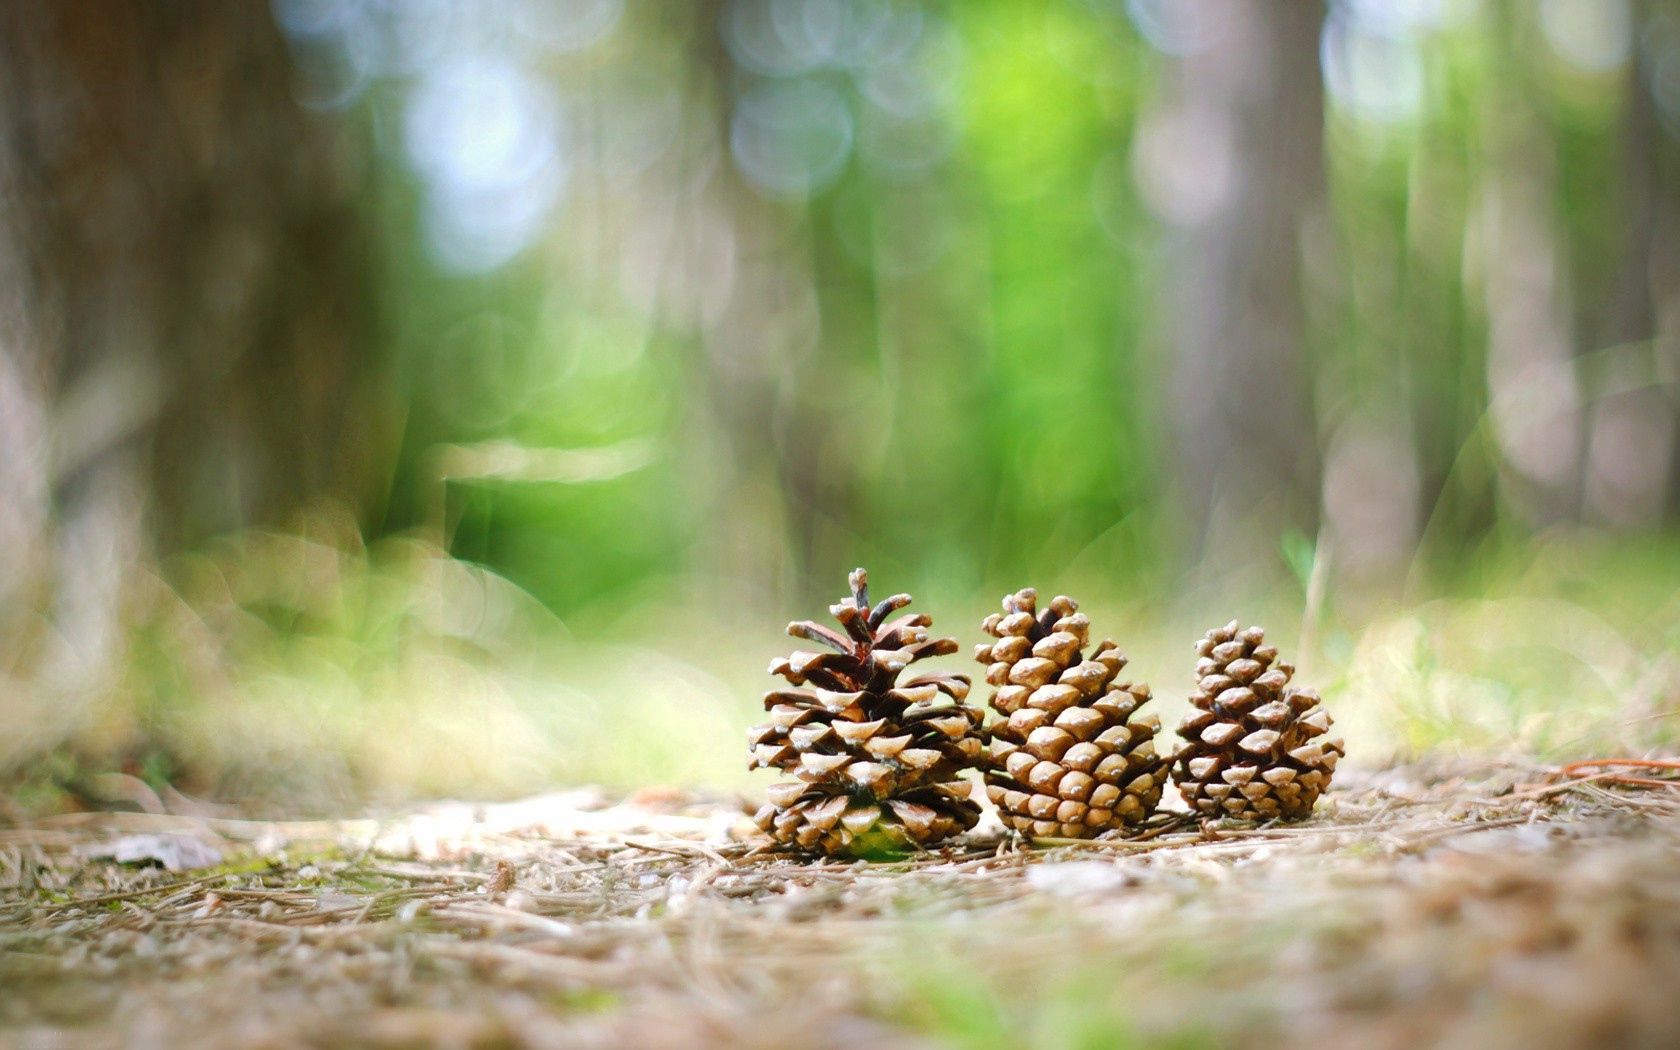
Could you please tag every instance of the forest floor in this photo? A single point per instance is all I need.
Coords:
(1468, 905)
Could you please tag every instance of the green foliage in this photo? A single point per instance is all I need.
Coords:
(963, 344)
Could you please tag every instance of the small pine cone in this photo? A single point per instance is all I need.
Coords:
(1250, 750)
(875, 760)
(1069, 758)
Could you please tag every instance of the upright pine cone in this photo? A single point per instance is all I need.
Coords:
(1249, 750)
(1069, 759)
(875, 760)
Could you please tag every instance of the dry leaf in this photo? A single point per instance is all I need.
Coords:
(171, 852)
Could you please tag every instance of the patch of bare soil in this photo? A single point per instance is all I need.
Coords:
(1475, 907)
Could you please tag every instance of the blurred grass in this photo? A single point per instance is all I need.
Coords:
(1073, 1002)
(306, 667)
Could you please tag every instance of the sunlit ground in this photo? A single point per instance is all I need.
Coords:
(1444, 903)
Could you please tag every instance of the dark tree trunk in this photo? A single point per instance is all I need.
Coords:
(184, 319)
(190, 312)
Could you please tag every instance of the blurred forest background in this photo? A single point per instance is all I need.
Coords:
(458, 395)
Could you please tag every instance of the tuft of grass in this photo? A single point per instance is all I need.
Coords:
(1089, 995)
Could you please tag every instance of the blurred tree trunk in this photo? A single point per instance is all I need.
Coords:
(762, 346)
(185, 319)
(1247, 463)
(1528, 286)
(1631, 427)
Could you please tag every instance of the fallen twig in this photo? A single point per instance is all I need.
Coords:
(1672, 765)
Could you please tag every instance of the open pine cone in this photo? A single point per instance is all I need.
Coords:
(875, 760)
(1069, 758)
(1251, 751)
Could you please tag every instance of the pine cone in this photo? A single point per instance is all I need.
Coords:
(1249, 751)
(1069, 759)
(875, 760)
